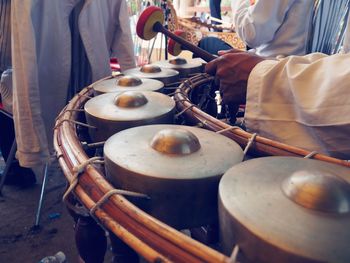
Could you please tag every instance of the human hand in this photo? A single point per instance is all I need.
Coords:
(232, 69)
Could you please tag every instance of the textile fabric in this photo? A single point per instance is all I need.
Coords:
(302, 101)
(274, 27)
(41, 51)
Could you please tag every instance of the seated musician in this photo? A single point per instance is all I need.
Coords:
(299, 100)
(269, 27)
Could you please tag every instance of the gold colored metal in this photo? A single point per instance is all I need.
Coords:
(129, 81)
(150, 69)
(130, 99)
(321, 191)
(153, 71)
(182, 187)
(175, 141)
(111, 114)
(276, 210)
(122, 83)
(178, 61)
(183, 66)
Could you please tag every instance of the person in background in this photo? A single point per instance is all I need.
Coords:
(68, 44)
(58, 48)
(215, 10)
(274, 27)
(182, 7)
(270, 28)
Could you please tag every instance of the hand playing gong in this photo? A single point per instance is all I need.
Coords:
(231, 70)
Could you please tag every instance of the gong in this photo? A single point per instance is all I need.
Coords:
(110, 112)
(185, 67)
(286, 209)
(178, 167)
(151, 71)
(127, 83)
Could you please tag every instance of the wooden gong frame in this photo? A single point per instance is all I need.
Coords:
(152, 239)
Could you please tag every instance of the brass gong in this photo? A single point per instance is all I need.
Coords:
(127, 83)
(178, 167)
(184, 66)
(109, 113)
(151, 71)
(286, 209)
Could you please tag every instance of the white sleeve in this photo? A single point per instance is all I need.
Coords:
(123, 47)
(32, 143)
(302, 101)
(257, 24)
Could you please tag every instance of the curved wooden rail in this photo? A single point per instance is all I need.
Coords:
(261, 146)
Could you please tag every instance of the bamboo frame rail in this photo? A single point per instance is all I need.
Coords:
(262, 146)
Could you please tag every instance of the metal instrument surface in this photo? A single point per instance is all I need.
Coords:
(167, 76)
(185, 67)
(127, 83)
(179, 167)
(286, 209)
(111, 112)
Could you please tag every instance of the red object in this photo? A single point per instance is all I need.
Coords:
(145, 15)
(114, 64)
(173, 46)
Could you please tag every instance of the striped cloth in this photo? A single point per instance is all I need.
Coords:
(5, 35)
(328, 26)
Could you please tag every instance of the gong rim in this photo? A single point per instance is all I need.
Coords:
(258, 215)
(104, 107)
(176, 167)
(111, 85)
(192, 66)
(166, 76)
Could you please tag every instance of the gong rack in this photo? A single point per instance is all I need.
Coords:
(152, 239)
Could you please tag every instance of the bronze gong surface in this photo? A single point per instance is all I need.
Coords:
(178, 167)
(285, 209)
(112, 112)
(151, 71)
(106, 106)
(181, 63)
(132, 150)
(127, 83)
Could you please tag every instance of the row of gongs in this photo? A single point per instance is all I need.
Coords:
(151, 77)
(277, 209)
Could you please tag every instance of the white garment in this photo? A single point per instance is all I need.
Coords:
(274, 27)
(41, 52)
(302, 101)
